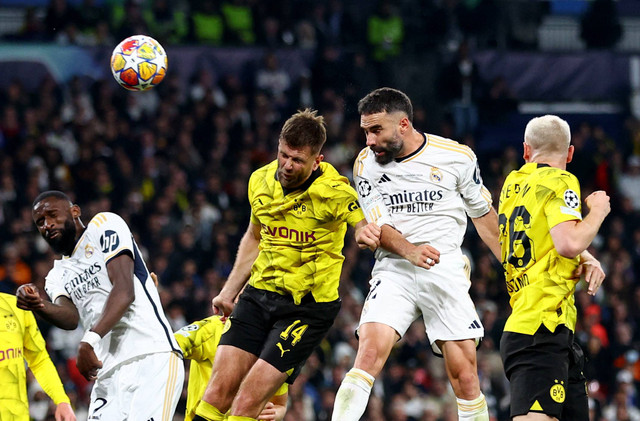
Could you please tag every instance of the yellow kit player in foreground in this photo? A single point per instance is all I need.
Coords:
(292, 253)
(20, 340)
(199, 342)
(544, 240)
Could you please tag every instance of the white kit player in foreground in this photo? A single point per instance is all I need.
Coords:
(416, 191)
(103, 283)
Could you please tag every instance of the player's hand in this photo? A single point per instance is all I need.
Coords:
(222, 306)
(368, 237)
(154, 278)
(598, 201)
(268, 413)
(64, 412)
(29, 298)
(87, 362)
(593, 274)
(424, 256)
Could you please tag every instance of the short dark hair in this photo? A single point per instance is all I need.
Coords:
(387, 100)
(51, 193)
(305, 128)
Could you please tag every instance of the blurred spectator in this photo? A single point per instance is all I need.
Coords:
(166, 21)
(385, 36)
(461, 87)
(629, 182)
(600, 26)
(239, 22)
(207, 25)
(59, 16)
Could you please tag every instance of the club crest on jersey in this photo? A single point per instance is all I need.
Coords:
(364, 188)
(88, 251)
(109, 241)
(299, 208)
(436, 175)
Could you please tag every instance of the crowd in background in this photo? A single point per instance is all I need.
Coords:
(174, 163)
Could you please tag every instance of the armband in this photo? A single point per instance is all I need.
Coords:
(92, 338)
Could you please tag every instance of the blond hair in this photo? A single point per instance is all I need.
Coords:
(548, 134)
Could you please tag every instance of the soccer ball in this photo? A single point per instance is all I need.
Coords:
(139, 63)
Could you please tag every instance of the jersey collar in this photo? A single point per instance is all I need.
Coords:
(422, 146)
(304, 186)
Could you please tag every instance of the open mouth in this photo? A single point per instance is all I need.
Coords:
(54, 234)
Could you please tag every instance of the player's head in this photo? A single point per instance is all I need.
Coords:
(547, 138)
(57, 220)
(386, 114)
(299, 145)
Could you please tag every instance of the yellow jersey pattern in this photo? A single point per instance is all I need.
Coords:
(541, 284)
(199, 342)
(302, 232)
(20, 340)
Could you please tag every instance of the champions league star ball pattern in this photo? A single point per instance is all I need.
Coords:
(139, 63)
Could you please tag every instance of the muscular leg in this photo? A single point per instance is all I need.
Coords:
(462, 370)
(262, 381)
(229, 368)
(375, 343)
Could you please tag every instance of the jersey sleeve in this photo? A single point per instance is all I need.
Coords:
(344, 204)
(199, 340)
(563, 202)
(35, 352)
(113, 235)
(54, 284)
(370, 198)
(475, 196)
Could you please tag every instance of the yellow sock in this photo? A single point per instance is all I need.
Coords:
(209, 412)
(239, 418)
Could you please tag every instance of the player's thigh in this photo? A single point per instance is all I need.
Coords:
(296, 334)
(392, 296)
(142, 388)
(248, 328)
(537, 367)
(447, 309)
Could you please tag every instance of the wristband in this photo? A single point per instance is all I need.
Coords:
(92, 338)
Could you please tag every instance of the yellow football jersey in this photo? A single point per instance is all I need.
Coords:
(20, 340)
(199, 342)
(302, 232)
(541, 284)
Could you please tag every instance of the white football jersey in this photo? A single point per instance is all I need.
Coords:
(83, 277)
(426, 195)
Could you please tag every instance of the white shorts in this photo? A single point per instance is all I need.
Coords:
(141, 389)
(400, 292)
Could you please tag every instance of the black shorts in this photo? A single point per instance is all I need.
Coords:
(545, 374)
(272, 327)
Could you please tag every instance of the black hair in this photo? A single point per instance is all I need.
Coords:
(387, 100)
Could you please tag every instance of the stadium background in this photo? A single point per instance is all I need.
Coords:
(174, 162)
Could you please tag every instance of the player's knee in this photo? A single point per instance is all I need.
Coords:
(468, 385)
(370, 359)
(246, 405)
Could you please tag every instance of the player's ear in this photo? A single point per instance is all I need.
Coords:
(570, 153)
(317, 162)
(75, 211)
(526, 151)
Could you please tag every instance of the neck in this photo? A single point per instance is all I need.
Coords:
(411, 143)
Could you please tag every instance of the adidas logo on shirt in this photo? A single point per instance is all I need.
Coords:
(384, 179)
(475, 325)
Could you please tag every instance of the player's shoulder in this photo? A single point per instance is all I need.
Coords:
(553, 176)
(259, 179)
(103, 220)
(451, 150)
(8, 300)
(207, 327)
(330, 182)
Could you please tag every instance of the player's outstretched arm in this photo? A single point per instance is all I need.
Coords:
(63, 313)
(592, 271)
(276, 408)
(247, 253)
(422, 255)
(487, 228)
(64, 412)
(368, 235)
(571, 238)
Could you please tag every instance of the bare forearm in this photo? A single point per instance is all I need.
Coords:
(61, 316)
(247, 254)
(572, 238)
(116, 305)
(487, 228)
(392, 240)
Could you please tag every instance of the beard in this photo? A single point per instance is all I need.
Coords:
(64, 243)
(290, 181)
(390, 152)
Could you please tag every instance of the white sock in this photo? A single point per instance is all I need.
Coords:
(353, 395)
(475, 410)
